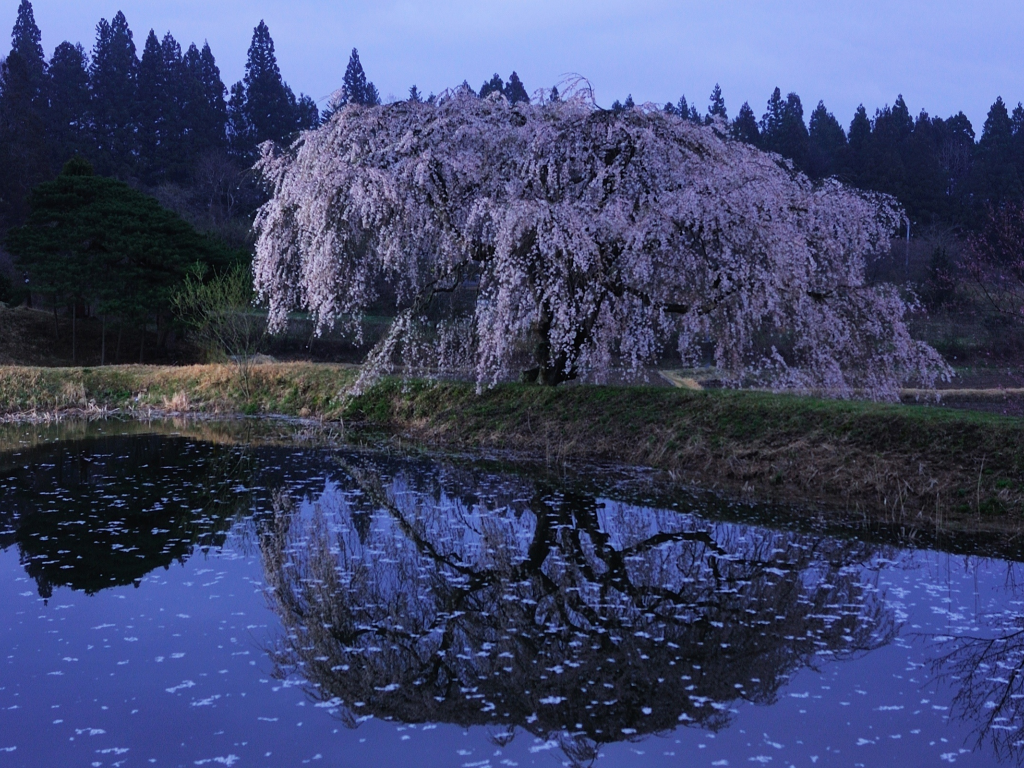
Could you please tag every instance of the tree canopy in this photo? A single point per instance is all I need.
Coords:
(582, 237)
(96, 240)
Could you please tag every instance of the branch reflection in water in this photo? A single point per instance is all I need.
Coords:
(984, 663)
(579, 620)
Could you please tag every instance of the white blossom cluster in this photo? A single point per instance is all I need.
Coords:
(588, 240)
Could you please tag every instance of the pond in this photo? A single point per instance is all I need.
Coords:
(178, 595)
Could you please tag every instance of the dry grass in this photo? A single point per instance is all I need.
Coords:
(912, 465)
(909, 465)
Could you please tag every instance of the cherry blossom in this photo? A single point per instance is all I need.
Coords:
(555, 241)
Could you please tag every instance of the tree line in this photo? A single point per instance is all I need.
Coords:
(160, 118)
(932, 165)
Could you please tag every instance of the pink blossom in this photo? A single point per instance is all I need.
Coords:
(589, 240)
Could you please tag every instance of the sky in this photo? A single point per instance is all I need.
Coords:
(941, 55)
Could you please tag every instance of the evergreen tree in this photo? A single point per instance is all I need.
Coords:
(238, 129)
(994, 177)
(263, 107)
(956, 155)
(884, 168)
(68, 125)
(154, 109)
(307, 115)
(771, 121)
(356, 89)
(113, 77)
(783, 129)
(744, 127)
(628, 104)
(859, 138)
(495, 84)
(206, 110)
(925, 194)
(414, 95)
(716, 106)
(826, 155)
(553, 95)
(24, 159)
(794, 138)
(515, 91)
(95, 239)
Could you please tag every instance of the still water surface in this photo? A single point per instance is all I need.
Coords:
(172, 597)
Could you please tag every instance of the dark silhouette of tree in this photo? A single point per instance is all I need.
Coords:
(68, 130)
(771, 122)
(826, 149)
(783, 129)
(494, 85)
(355, 89)
(744, 127)
(716, 106)
(165, 92)
(113, 76)
(925, 195)
(95, 239)
(262, 106)
(205, 107)
(24, 159)
(858, 139)
(415, 95)
(515, 91)
(994, 177)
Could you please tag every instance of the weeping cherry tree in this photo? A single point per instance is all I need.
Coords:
(585, 240)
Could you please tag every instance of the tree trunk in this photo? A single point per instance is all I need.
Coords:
(142, 343)
(103, 341)
(56, 328)
(120, 330)
(549, 371)
(74, 332)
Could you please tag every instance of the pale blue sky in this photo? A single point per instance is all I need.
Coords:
(941, 55)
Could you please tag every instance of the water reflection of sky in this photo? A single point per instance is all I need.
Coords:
(423, 614)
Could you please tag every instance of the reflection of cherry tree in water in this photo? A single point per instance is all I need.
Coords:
(988, 676)
(587, 621)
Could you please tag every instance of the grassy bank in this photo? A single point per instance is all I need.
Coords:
(913, 465)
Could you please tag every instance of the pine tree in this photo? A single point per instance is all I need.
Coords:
(925, 196)
(24, 158)
(113, 76)
(794, 139)
(356, 89)
(716, 106)
(414, 95)
(515, 91)
(263, 107)
(205, 109)
(307, 115)
(153, 108)
(628, 104)
(68, 126)
(238, 129)
(771, 121)
(826, 144)
(495, 84)
(783, 129)
(859, 137)
(994, 177)
(744, 127)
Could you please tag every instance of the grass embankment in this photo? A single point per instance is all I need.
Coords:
(913, 465)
